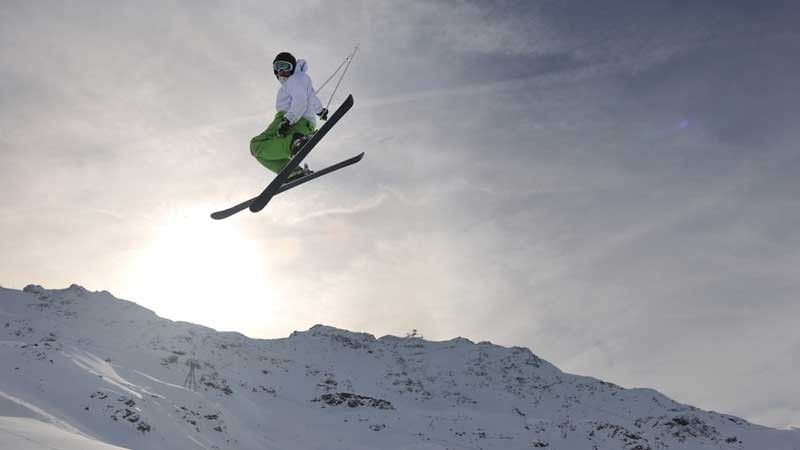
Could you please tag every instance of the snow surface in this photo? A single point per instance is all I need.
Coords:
(84, 370)
(21, 433)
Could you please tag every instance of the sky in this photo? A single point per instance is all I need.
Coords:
(611, 184)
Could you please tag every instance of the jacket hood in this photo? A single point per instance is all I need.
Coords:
(300, 67)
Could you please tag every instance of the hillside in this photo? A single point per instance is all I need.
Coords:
(104, 372)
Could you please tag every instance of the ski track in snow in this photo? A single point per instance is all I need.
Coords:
(159, 381)
(97, 366)
(198, 443)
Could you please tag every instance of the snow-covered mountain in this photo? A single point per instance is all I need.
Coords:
(84, 370)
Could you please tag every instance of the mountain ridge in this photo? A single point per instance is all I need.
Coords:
(140, 381)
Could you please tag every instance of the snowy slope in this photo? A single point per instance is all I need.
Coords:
(86, 370)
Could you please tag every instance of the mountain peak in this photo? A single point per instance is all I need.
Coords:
(72, 289)
(77, 301)
(329, 331)
(33, 289)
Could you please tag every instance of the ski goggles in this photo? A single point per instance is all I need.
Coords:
(285, 66)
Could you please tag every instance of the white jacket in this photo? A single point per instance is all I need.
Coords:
(296, 96)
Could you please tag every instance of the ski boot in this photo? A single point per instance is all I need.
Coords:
(298, 140)
(299, 172)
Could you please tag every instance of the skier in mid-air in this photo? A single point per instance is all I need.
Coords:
(292, 135)
(294, 121)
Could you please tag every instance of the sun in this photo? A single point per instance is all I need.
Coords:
(198, 270)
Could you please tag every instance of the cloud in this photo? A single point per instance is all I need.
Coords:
(320, 211)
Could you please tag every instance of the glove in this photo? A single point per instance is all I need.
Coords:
(283, 129)
(323, 114)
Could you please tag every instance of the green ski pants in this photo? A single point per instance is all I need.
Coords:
(273, 151)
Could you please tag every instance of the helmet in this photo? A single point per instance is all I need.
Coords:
(284, 61)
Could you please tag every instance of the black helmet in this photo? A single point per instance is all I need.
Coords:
(284, 57)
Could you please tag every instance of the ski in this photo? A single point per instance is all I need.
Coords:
(340, 165)
(290, 185)
(261, 201)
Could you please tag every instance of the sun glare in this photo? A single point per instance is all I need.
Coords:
(198, 270)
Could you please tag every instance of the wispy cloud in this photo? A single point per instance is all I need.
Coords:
(321, 211)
